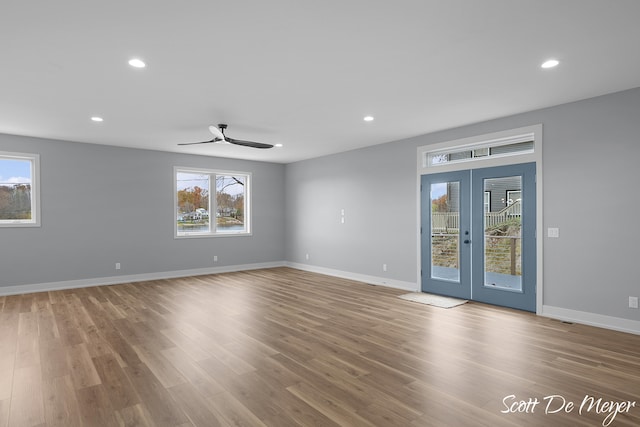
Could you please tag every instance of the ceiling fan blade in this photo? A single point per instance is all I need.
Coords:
(216, 132)
(248, 143)
(202, 142)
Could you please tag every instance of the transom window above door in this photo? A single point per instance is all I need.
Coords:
(514, 146)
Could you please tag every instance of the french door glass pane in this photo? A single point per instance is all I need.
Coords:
(445, 220)
(502, 234)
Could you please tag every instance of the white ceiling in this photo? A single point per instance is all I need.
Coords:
(300, 72)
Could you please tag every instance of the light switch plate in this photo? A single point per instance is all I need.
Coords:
(553, 232)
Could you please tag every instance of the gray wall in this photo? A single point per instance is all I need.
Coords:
(591, 154)
(376, 188)
(102, 205)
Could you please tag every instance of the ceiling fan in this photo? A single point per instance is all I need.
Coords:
(220, 138)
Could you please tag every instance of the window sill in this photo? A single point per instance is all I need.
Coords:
(206, 235)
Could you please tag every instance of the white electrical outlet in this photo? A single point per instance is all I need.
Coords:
(306, 257)
(384, 267)
(633, 302)
(215, 258)
(117, 266)
(553, 232)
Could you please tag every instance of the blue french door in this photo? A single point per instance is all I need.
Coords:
(446, 234)
(478, 235)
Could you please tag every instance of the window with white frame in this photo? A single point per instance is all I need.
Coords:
(211, 202)
(522, 144)
(19, 196)
(513, 196)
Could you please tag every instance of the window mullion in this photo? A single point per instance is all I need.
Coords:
(213, 203)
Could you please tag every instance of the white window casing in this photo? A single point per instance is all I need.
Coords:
(19, 195)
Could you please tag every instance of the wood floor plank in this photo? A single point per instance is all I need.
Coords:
(298, 411)
(276, 373)
(12, 304)
(95, 407)
(53, 359)
(67, 327)
(9, 344)
(309, 375)
(117, 385)
(195, 406)
(121, 348)
(60, 403)
(233, 412)
(96, 344)
(77, 311)
(28, 351)
(151, 336)
(282, 347)
(135, 416)
(163, 408)
(379, 415)
(257, 396)
(189, 346)
(198, 377)
(6, 383)
(162, 369)
(4, 412)
(27, 303)
(47, 328)
(83, 372)
(26, 398)
(28, 324)
(327, 405)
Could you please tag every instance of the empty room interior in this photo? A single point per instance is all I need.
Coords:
(356, 213)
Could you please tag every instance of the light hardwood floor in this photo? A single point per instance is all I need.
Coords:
(282, 347)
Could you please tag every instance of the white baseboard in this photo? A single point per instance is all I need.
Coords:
(373, 280)
(114, 280)
(592, 319)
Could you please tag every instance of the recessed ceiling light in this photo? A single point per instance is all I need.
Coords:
(550, 63)
(368, 118)
(278, 145)
(137, 63)
(97, 119)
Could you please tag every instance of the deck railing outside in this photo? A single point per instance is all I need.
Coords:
(449, 222)
(502, 253)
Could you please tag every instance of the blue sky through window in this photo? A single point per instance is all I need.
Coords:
(438, 190)
(15, 171)
(190, 180)
(185, 180)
